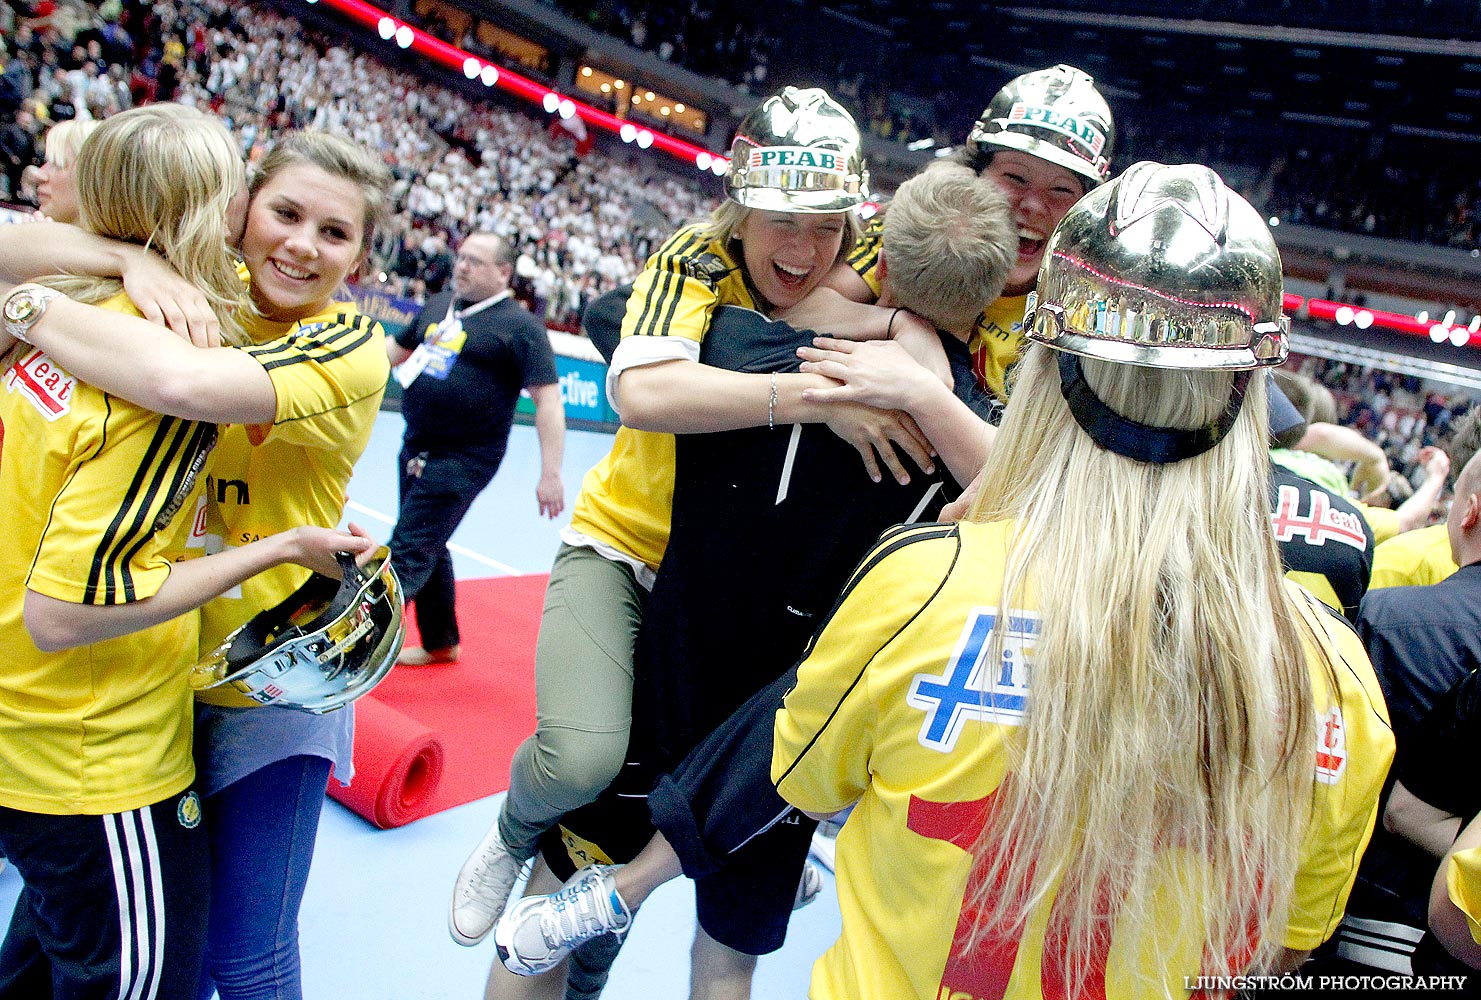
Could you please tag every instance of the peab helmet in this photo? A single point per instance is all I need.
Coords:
(1055, 114)
(799, 151)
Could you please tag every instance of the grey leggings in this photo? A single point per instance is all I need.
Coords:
(583, 694)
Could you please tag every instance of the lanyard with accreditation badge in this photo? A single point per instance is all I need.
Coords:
(431, 352)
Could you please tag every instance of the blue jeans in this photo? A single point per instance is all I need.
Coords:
(262, 831)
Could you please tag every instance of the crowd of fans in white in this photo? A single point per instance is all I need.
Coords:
(582, 225)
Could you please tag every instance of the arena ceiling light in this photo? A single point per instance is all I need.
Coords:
(1415, 326)
(458, 60)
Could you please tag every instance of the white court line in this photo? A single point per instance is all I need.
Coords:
(461, 550)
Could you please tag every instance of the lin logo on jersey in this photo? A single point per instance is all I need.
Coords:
(45, 384)
(1331, 746)
(187, 482)
(973, 688)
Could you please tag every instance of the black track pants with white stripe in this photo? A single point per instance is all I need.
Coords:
(114, 907)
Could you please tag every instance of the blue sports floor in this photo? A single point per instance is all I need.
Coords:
(374, 924)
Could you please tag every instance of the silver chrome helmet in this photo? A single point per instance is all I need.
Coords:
(1055, 114)
(799, 151)
(327, 644)
(1163, 267)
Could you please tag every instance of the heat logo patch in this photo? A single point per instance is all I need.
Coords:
(44, 383)
(972, 687)
(1321, 524)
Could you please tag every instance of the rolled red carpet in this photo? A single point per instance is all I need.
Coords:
(398, 765)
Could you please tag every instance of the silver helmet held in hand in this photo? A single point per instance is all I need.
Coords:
(327, 644)
(1165, 267)
(799, 151)
(1055, 114)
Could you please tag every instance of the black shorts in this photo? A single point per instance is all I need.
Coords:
(744, 905)
(112, 904)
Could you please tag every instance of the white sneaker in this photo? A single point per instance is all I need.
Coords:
(482, 889)
(540, 931)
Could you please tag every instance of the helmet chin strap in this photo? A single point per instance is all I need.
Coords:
(1136, 441)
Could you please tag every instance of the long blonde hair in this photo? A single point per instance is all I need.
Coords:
(1163, 775)
(163, 176)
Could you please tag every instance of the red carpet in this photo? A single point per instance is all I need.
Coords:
(430, 738)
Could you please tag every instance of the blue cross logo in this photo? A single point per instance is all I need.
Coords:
(968, 689)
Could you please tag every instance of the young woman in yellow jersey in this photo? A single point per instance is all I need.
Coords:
(301, 399)
(97, 807)
(796, 174)
(1098, 746)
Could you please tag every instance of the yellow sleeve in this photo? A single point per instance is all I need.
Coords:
(824, 732)
(1355, 746)
(1413, 559)
(107, 534)
(864, 258)
(669, 299)
(1463, 883)
(1383, 522)
(320, 370)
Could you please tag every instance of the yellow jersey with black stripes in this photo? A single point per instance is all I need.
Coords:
(100, 497)
(864, 257)
(329, 371)
(627, 498)
(905, 704)
(997, 336)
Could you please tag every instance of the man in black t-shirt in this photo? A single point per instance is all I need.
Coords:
(462, 364)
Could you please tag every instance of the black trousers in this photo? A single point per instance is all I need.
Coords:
(437, 488)
(113, 905)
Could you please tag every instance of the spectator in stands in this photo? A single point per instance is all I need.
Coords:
(56, 188)
(18, 149)
(1422, 557)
